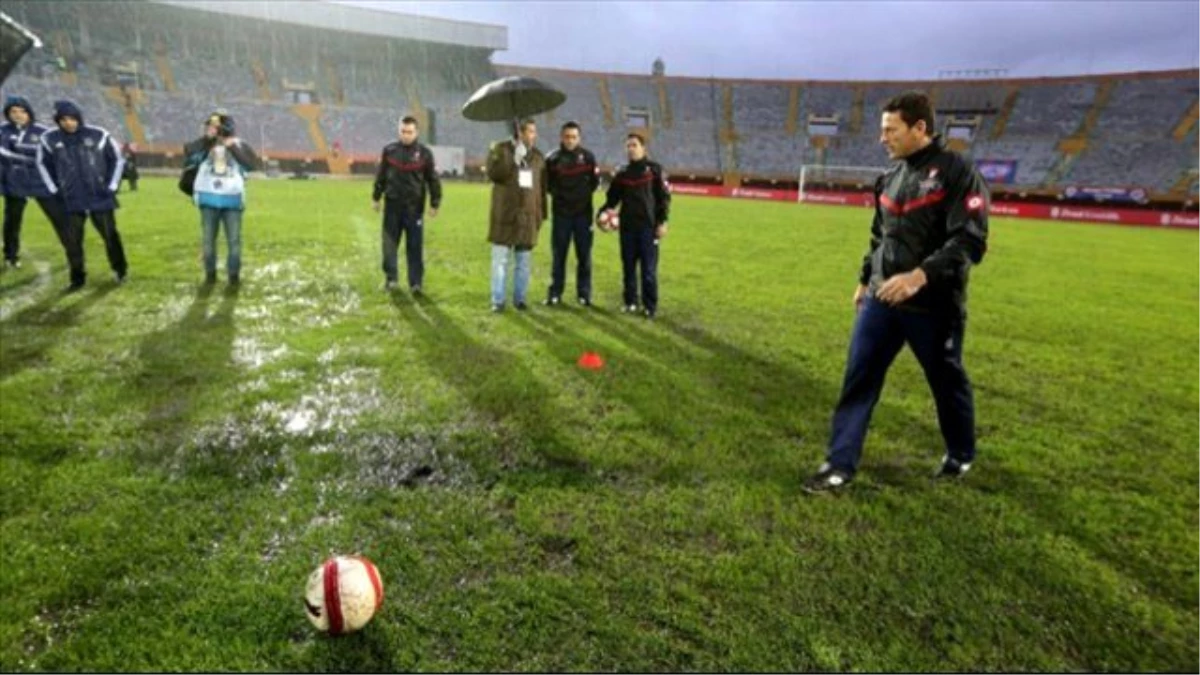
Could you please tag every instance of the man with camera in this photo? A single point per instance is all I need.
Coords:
(214, 175)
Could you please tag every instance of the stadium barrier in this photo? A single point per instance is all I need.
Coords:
(1087, 214)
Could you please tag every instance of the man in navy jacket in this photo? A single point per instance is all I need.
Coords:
(82, 164)
(19, 138)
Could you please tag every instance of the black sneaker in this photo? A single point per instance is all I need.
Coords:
(75, 287)
(416, 291)
(235, 280)
(952, 468)
(496, 309)
(649, 314)
(14, 264)
(210, 278)
(826, 479)
(629, 309)
(585, 302)
(120, 277)
(552, 301)
(390, 285)
(521, 307)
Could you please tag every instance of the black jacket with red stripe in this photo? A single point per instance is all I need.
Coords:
(930, 212)
(571, 178)
(403, 174)
(641, 189)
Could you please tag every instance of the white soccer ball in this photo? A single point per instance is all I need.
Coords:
(608, 220)
(343, 594)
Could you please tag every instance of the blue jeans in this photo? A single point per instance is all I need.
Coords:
(211, 219)
(880, 332)
(500, 273)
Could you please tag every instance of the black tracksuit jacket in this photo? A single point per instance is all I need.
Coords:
(571, 178)
(403, 174)
(641, 189)
(930, 212)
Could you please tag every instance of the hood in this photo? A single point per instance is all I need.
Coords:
(67, 109)
(18, 102)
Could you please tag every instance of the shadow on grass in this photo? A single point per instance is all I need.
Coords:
(1127, 541)
(496, 384)
(28, 335)
(27, 280)
(182, 364)
(366, 651)
(767, 401)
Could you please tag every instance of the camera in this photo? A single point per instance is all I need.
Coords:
(223, 123)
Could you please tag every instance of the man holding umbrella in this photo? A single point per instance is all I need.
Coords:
(516, 169)
(517, 172)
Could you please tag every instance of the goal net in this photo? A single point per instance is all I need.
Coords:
(837, 178)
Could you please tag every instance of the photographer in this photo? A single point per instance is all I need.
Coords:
(215, 168)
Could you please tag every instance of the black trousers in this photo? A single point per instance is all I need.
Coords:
(639, 252)
(105, 223)
(398, 222)
(880, 332)
(577, 228)
(14, 212)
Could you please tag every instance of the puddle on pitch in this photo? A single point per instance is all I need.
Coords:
(250, 352)
(334, 407)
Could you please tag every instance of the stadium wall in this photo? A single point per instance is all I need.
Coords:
(1009, 209)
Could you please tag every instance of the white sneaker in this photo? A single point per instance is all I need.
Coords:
(952, 468)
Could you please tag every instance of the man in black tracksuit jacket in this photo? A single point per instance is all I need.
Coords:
(640, 187)
(406, 170)
(571, 178)
(930, 227)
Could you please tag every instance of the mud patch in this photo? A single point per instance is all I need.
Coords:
(405, 461)
(50, 626)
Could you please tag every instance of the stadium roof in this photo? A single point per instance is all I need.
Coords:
(336, 16)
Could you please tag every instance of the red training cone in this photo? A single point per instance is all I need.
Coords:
(591, 361)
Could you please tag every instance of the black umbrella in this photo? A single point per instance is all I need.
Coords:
(511, 98)
(15, 40)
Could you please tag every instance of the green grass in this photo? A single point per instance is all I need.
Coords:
(173, 464)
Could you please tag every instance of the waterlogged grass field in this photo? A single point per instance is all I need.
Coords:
(174, 462)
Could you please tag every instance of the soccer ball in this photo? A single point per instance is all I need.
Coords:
(343, 594)
(608, 220)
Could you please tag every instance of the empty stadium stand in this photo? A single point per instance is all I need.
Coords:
(151, 71)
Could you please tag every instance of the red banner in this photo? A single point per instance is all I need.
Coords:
(840, 198)
(702, 190)
(1086, 214)
(1092, 214)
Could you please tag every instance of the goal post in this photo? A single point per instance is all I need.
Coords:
(837, 178)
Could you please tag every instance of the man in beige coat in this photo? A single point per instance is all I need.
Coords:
(517, 171)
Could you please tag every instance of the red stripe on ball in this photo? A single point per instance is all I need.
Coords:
(373, 575)
(333, 597)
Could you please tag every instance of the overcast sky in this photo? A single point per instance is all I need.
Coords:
(836, 40)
